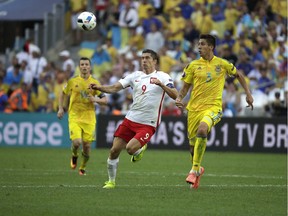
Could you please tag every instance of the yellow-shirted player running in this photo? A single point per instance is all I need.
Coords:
(81, 112)
(207, 77)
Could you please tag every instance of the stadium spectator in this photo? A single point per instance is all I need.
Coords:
(18, 100)
(3, 96)
(154, 39)
(143, 10)
(231, 97)
(68, 65)
(36, 64)
(45, 93)
(81, 113)
(277, 107)
(218, 17)
(254, 75)
(228, 39)
(111, 50)
(23, 55)
(128, 18)
(228, 54)
(14, 75)
(191, 34)
(244, 63)
(186, 9)
(158, 5)
(205, 103)
(27, 74)
(283, 67)
(256, 54)
(206, 22)
(231, 15)
(101, 11)
(169, 7)
(136, 39)
(265, 84)
(166, 62)
(280, 49)
(176, 26)
(142, 119)
(149, 20)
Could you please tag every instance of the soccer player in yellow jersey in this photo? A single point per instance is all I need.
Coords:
(81, 112)
(206, 76)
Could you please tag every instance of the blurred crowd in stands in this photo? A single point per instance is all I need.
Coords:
(251, 34)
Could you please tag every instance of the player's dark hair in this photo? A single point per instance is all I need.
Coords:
(154, 55)
(85, 59)
(210, 39)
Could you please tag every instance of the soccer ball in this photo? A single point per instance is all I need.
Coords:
(86, 21)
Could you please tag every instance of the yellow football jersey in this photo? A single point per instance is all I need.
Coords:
(80, 107)
(207, 79)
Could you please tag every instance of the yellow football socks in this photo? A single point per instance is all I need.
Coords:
(74, 151)
(199, 149)
(85, 158)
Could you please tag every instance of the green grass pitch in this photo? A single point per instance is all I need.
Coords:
(38, 181)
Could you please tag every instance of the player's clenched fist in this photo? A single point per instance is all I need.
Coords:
(93, 86)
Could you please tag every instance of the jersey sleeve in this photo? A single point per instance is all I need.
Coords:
(67, 87)
(187, 75)
(167, 80)
(127, 81)
(229, 67)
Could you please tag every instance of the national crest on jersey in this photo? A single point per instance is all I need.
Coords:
(218, 69)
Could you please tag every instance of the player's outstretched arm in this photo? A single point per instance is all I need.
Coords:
(107, 89)
(99, 100)
(182, 93)
(249, 98)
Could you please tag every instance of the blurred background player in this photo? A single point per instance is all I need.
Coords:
(149, 87)
(81, 112)
(206, 76)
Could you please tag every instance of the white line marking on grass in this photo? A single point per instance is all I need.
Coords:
(163, 174)
(209, 175)
(145, 185)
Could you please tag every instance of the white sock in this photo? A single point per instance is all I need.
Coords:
(112, 168)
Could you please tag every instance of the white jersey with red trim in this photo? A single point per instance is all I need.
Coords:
(147, 97)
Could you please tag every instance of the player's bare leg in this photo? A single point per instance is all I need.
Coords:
(135, 149)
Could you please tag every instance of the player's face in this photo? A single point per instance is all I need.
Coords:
(148, 63)
(84, 66)
(204, 48)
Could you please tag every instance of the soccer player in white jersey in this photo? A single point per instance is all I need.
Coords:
(149, 87)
